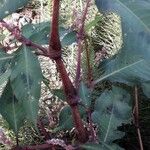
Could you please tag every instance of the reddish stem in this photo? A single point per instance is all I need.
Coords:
(21, 38)
(54, 36)
(80, 37)
(69, 90)
(72, 100)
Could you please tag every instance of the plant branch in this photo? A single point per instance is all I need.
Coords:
(16, 33)
(80, 37)
(136, 117)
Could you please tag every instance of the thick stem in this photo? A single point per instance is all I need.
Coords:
(81, 131)
(72, 100)
(54, 36)
(69, 90)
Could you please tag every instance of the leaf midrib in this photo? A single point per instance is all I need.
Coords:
(118, 70)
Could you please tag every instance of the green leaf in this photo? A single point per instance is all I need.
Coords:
(84, 94)
(26, 80)
(9, 6)
(39, 33)
(65, 119)
(59, 93)
(91, 146)
(132, 65)
(111, 110)
(68, 39)
(11, 109)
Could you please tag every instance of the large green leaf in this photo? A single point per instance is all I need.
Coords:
(26, 80)
(9, 6)
(39, 33)
(11, 109)
(132, 64)
(111, 110)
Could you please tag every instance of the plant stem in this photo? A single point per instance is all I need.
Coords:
(54, 42)
(136, 117)
(72, 99)
(69, 90)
